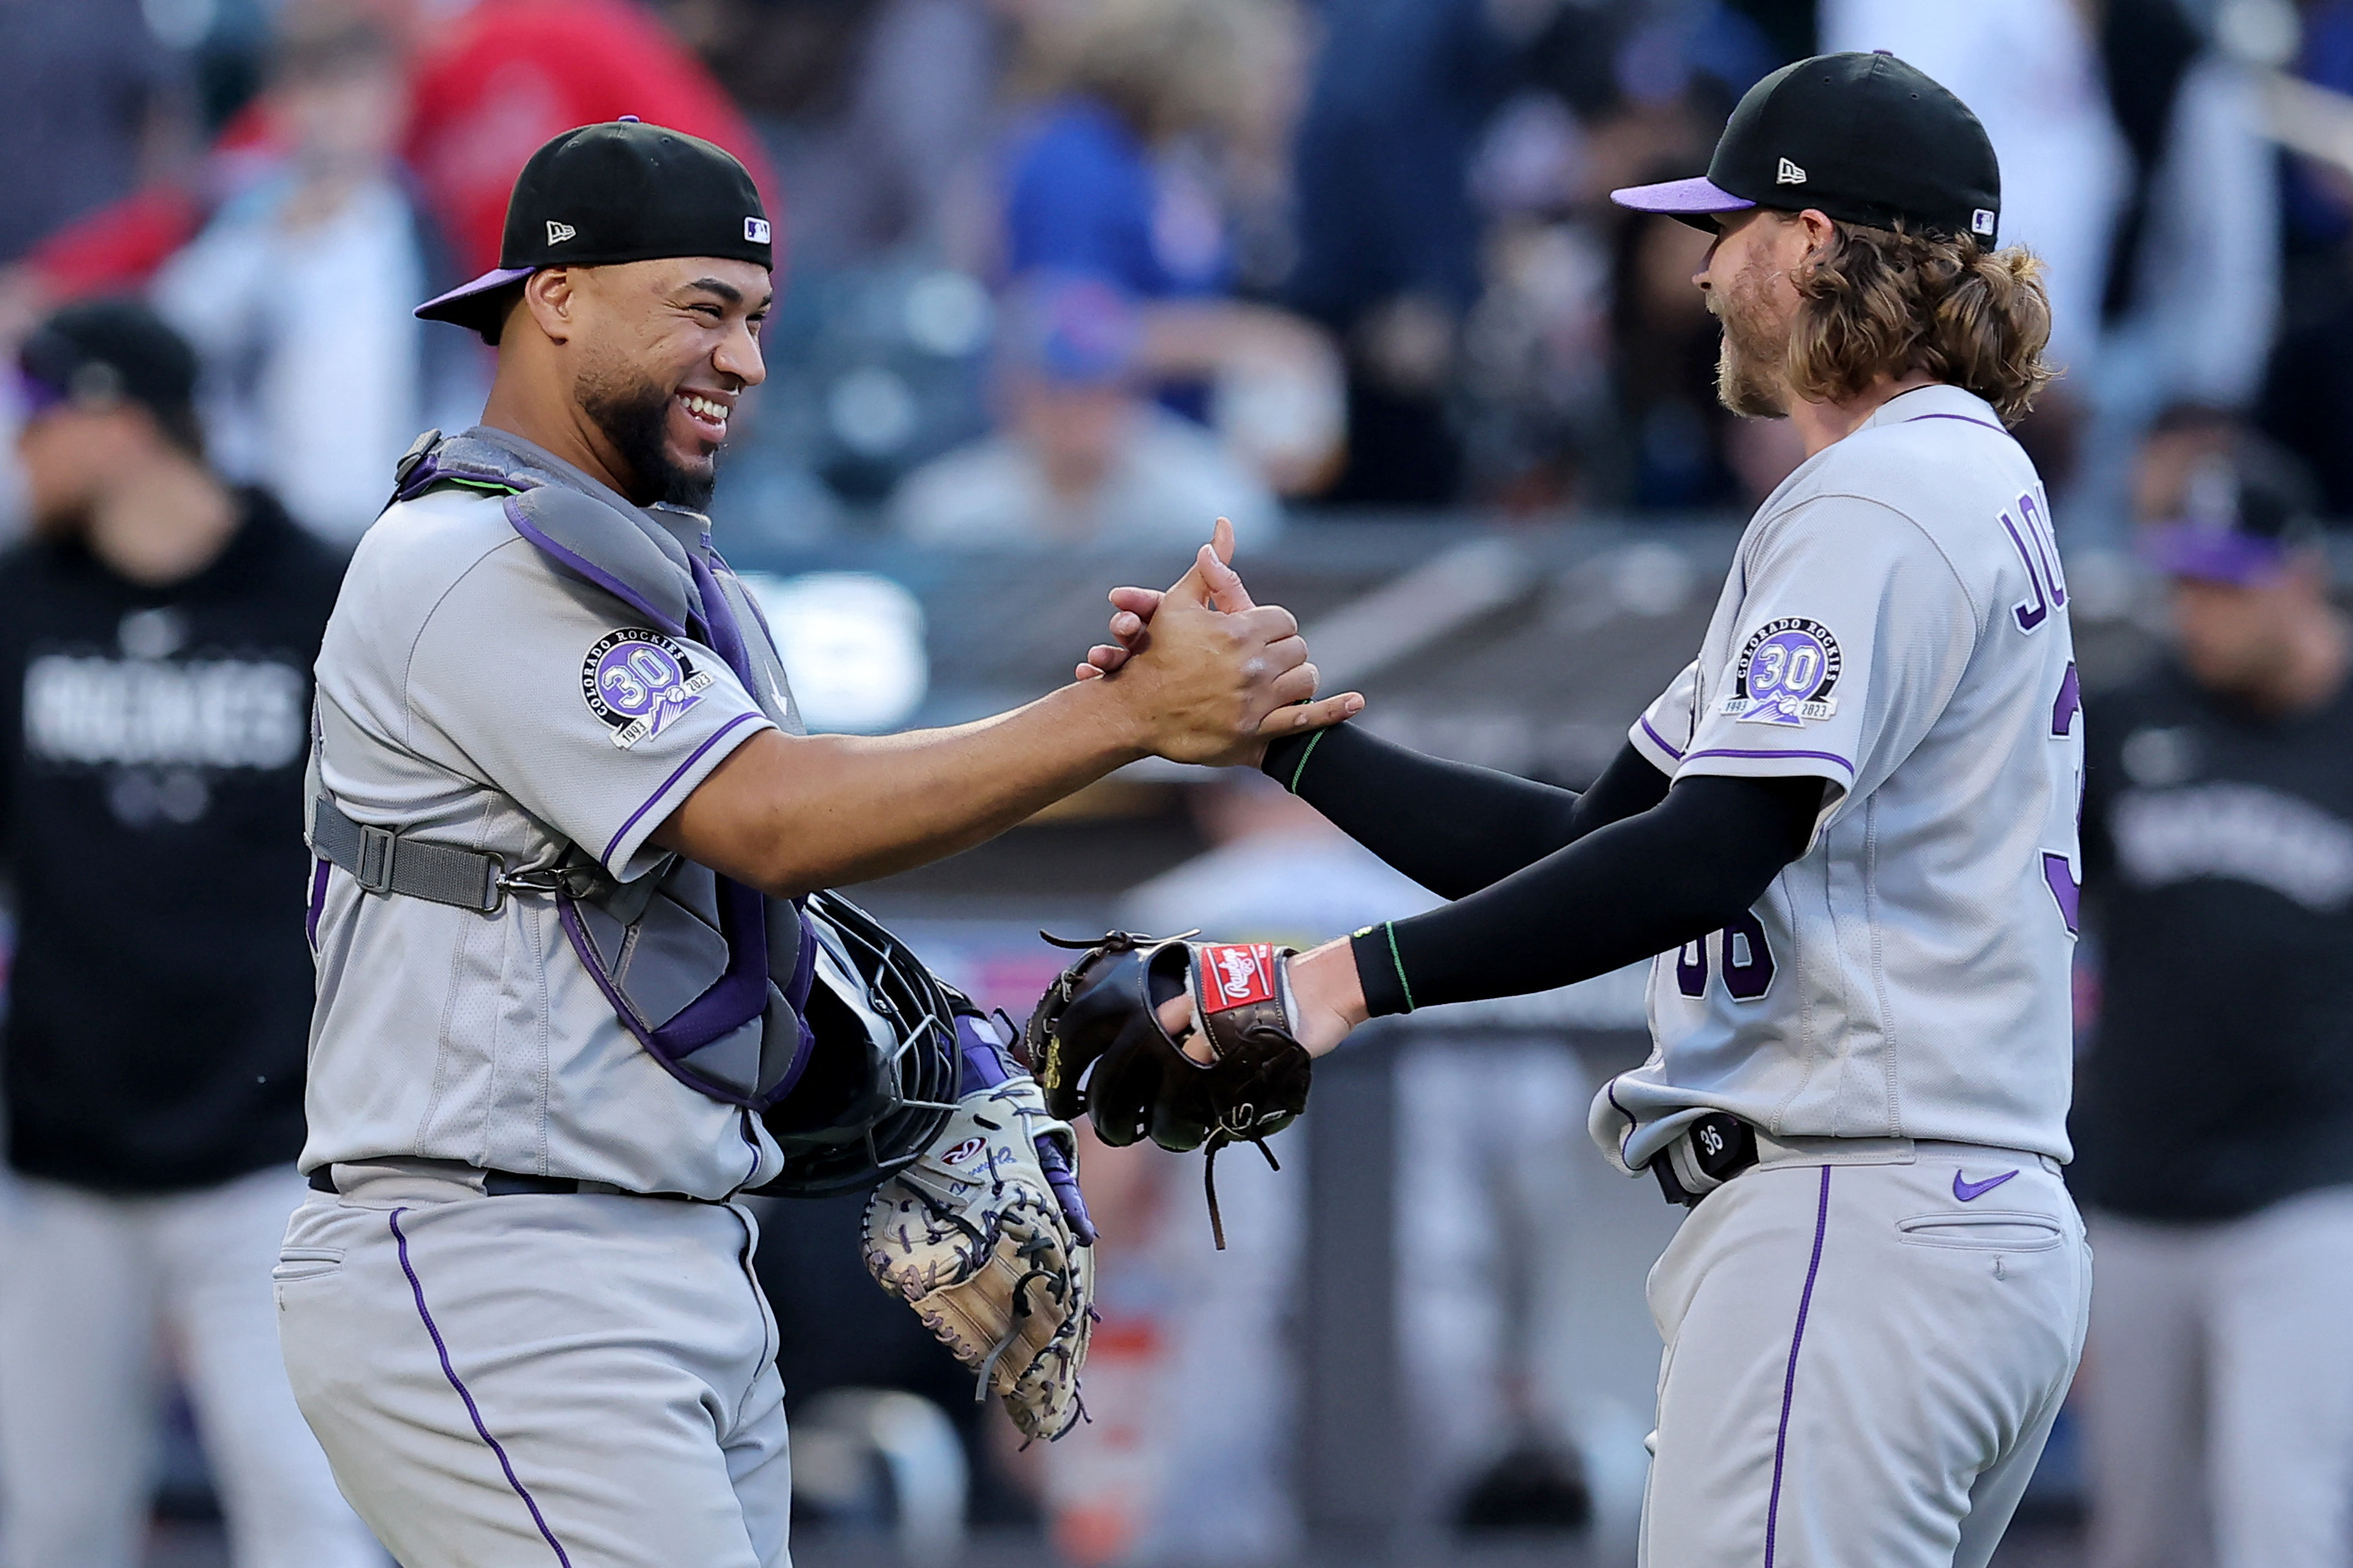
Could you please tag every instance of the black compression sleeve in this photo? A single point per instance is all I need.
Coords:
(1452, 828)
(1642, 886)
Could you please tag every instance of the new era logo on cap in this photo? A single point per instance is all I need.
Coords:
(756, 229)
(557, 233)
(1789, 174)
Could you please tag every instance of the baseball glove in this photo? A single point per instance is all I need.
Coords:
(985, 1237)
(1099, 1046)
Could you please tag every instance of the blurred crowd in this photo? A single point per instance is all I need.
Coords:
(1062, 268)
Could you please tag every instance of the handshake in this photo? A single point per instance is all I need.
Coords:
(1199, 673)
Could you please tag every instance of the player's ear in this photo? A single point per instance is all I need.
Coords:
(551, 294)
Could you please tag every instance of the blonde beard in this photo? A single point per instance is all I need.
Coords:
(1749, 377)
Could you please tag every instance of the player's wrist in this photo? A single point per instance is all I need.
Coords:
(1324, 998)
(1108, 710)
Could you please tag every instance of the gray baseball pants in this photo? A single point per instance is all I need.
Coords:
(94, 1289)
(1862, 1363)
(571, 1380)
(2220, 1396)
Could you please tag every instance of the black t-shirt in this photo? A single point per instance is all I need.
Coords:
(152, 751)
(2219, 865)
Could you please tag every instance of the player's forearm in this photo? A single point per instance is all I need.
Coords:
(789, 813)
(1453, 827)
(1642, 886)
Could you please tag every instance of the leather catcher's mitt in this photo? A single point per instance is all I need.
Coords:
(1097, 1045)
(973, 1236)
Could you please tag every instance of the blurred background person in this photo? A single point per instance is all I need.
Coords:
(1081, 454)
(490, 80)
(2214, 1115)
(154, 688)
(98, 104)
(1149, 157)
(296, 295)
(1389, 239)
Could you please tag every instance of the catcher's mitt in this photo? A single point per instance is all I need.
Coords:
(976, 1237)
(1099, 1046)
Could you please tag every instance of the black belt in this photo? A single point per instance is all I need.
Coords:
(1710, 1152)
(514, 1183)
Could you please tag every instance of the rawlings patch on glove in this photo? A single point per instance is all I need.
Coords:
(976, 1237)
(1099, 1047)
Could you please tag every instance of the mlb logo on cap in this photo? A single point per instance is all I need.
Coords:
(756, 229)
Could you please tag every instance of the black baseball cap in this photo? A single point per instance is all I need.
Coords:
(1862, 138)
(108, 352)
(621, 191)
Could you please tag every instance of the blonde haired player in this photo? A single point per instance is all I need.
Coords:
(1847, 833)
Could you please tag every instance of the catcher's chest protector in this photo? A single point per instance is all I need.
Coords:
(710, 977)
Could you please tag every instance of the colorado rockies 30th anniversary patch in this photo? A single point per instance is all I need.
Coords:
(638, 681)
(1784, 674)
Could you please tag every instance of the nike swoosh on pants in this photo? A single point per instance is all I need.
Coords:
(1967, 1191)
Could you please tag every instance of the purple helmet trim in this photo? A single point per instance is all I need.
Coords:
(2210, 555)
(435, 309)
(1680, 198)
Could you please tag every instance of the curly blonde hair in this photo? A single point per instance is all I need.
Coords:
(1881, 301)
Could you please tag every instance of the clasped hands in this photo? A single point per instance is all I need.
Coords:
(1328, 997)
(1231, 674)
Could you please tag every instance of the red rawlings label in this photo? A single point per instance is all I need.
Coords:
(1236, 973)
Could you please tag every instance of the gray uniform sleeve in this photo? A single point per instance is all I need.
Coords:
(560, 696)
(1853, 631)
(1662, 734)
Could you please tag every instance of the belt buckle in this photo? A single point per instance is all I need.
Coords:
(379, 850)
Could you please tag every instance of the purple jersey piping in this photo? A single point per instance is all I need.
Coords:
(680, 772)
(318, 904)
(594, 573)
(1789, 1378)
(473, 1410)
(1819, 756)
(1962, 418)
(1664, 744)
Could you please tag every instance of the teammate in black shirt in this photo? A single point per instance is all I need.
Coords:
(154, 697)
(2214, 1116)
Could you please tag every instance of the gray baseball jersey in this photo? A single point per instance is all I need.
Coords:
(471, 693)
(1895, 624)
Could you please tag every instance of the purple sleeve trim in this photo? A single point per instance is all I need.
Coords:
(1664, 744)
(586, 568)
(1818, 756)
(1789, 1378)
(676, 773)
(417, 1289)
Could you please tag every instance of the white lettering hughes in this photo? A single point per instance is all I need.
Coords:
(221, 713)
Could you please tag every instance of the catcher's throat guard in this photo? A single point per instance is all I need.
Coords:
(1098, 1048)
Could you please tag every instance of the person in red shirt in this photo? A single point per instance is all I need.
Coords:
(490, 85)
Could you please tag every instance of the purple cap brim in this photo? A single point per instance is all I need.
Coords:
(2209, 556)
(452, 306)
(36, 395)
(1685, 199)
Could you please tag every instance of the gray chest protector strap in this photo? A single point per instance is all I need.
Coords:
(650, 945)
